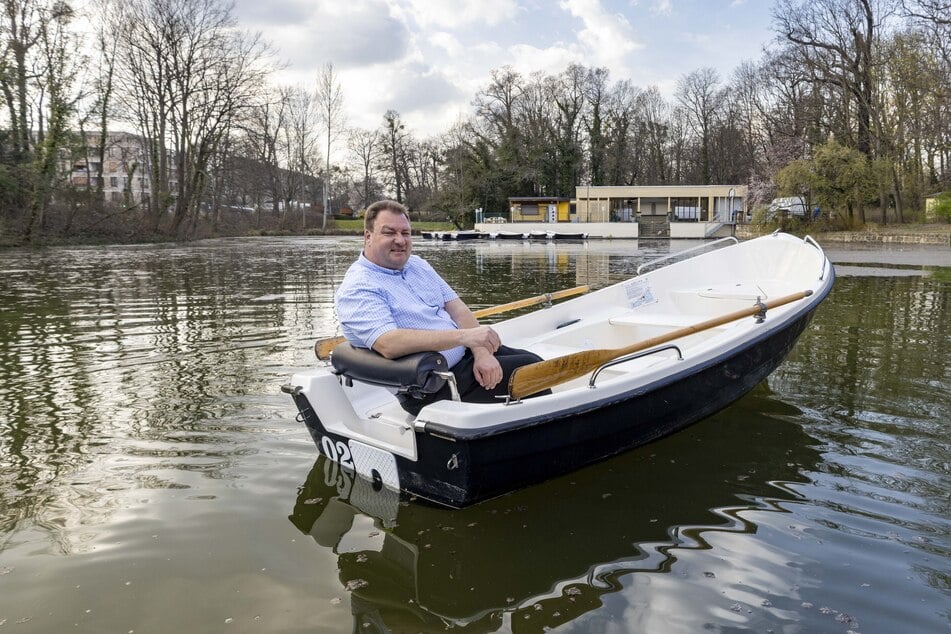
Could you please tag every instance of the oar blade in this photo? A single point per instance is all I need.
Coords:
(323, 347)
(535, 377)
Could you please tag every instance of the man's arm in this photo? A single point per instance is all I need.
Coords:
(403, 341)
(461, 314)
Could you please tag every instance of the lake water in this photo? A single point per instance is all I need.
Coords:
(153, 477)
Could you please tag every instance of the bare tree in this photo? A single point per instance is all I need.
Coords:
(262, 129)
(330, 105)
(55, 103)
(143, 94)
(186, 75)
(21, 34)
(657, 129)
(596, 93)
(568, 93)
(935, 11)
(395, 138)
(38, 76)
(365, 145)
(624, 149)
(301, 145)
(836, 38)
(747, 104)
(506, 113)
(701, 98)
(106, 50)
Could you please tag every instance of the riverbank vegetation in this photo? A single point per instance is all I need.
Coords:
(170, 129)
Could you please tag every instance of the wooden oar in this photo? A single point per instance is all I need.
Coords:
(530, 301)
(535, 377)
(323, 347)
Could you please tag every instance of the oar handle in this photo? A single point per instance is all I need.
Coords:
(535, 377)
(323, 347)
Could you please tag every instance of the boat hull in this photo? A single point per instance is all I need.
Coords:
(457, 471)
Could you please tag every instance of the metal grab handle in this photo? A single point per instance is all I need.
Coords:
(631, 357)
(453, 387)
(686, 251)
(808, 240)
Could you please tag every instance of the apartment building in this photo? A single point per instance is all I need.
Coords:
(124, 170)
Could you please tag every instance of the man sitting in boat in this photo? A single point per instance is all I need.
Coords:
(396, 304)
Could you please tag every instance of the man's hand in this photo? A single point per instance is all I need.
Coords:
(486, 369)
(480, 337)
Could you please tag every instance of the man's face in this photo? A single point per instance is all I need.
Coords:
(390, 243)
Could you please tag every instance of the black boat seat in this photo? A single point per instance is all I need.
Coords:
(417, 375)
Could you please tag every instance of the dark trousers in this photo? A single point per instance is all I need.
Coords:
(469, 389)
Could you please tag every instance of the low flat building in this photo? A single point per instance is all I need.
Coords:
(540, 209)
(651, 211)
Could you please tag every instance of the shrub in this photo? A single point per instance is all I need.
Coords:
(942, 207)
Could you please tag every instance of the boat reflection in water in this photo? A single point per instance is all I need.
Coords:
(548, 553)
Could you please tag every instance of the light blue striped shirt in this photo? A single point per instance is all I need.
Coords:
(373, 300)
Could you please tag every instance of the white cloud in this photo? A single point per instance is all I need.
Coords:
(425, 98)
(454, 14)
(427, 59)
(273, 12)
(607, 38)
(351, 34)
(527, 59)
(663, 7)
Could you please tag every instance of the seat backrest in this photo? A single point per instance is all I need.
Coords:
(413, 374)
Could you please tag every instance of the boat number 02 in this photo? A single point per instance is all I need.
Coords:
(337, 451)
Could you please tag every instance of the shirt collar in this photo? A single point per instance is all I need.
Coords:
(366, 263)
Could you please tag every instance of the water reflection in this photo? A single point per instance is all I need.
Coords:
(128, 366)
(874, 375)
(525, 560)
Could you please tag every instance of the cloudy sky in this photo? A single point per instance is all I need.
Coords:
(426, 59)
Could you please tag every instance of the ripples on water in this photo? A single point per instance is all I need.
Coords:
(148, 464)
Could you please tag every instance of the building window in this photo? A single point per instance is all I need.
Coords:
(686, 209)
(113, 181)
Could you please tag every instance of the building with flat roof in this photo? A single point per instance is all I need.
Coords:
(648, 211)
(540, 209)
